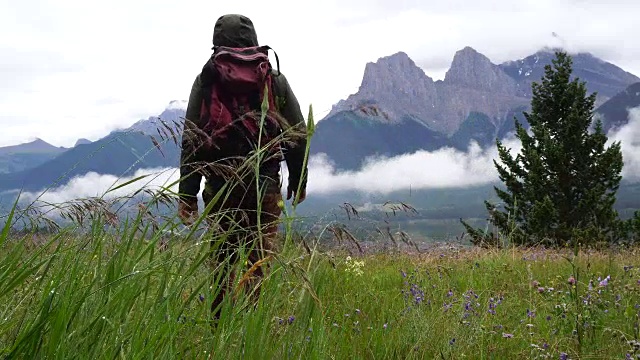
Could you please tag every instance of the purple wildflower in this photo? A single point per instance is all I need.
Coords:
(492, 306)
(572, 280)
(291, 319)
(563, 356)
(541, 289)
(605, 282)
(507, 336)
(385, 326)
(447, 306)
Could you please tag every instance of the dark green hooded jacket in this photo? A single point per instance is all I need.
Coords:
(238, 31)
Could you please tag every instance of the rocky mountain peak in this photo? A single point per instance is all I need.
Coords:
(172, 116)
(396, 71)
(471, 69)
(396, 85)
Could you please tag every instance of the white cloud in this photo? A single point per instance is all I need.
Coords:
(105, 186)
(102, 65)
(629, 137)
(443, 168)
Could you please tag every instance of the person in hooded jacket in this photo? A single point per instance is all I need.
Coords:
(236, 210)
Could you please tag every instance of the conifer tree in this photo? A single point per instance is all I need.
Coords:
(563, 182)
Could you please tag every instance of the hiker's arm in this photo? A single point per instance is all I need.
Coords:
(190, 183)
(294, 151)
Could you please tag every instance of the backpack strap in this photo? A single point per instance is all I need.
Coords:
(267, 48)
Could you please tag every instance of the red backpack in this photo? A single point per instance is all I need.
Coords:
(234, 81)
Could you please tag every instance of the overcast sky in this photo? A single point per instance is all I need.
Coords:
(71, 68)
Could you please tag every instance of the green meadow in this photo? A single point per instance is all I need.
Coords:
(106, 295)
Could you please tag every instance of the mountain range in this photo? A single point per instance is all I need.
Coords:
(476, 101)
(398, 109)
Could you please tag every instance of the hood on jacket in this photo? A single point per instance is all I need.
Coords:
(234, 30)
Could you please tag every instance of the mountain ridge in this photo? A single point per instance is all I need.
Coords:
(35, 146)
(614, 113)
(19, 157)
(604, 77)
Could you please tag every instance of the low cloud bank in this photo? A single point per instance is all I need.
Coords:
(106, 186)
(629, 137)
(443, 168)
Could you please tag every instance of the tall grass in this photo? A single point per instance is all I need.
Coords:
(108, 296)
(107, 286)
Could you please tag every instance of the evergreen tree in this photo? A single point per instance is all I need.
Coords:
(563, 182)
(632, 228)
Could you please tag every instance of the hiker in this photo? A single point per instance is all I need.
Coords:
(221, 130)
